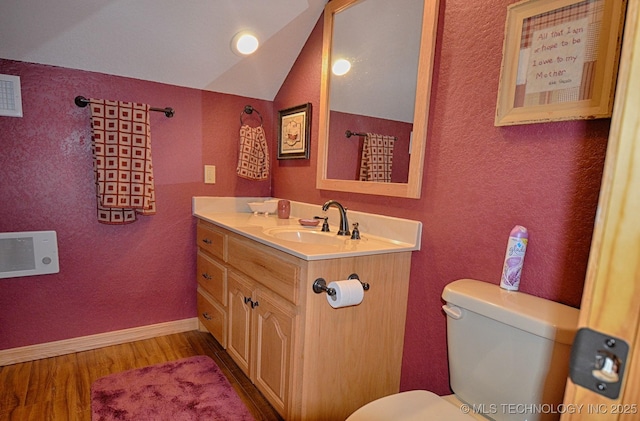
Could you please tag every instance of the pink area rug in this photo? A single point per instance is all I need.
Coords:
(193, 388)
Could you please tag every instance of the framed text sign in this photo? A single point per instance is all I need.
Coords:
(560, 60)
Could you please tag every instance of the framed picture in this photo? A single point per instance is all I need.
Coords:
(294, 134)
(560, 60)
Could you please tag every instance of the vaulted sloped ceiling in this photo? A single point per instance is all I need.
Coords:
(183, 43)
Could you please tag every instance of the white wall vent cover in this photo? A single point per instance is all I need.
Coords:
(10, 97)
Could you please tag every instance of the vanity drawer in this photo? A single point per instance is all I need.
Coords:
(211, 240)
(213, 317)
(266, 267)
(212, 277)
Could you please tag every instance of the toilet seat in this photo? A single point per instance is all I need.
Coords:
(415, 405)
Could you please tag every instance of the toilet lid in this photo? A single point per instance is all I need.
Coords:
(415, 405)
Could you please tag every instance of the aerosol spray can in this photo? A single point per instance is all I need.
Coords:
(514, 258)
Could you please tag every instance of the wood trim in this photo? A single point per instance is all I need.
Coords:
(609, 302)
(599, 104)
(84, 343)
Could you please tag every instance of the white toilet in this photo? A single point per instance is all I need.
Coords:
(508, 359)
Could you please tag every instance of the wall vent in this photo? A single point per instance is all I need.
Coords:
(10, 97)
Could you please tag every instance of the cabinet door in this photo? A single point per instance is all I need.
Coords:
(273, 327)
(239, 316)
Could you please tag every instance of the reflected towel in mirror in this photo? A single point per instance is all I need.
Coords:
(377, 158)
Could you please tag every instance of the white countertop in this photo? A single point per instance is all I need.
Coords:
(379, 234)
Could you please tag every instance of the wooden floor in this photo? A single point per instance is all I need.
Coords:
(59, 388)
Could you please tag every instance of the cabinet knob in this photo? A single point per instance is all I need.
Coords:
(206, 276)
(207, 316)
(247, 300)
(207, 241)
(254, 304)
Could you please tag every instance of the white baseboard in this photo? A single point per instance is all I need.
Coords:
(85, 343)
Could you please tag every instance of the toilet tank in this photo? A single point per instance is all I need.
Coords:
(508, 351)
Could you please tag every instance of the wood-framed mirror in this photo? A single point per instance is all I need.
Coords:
(373, 35)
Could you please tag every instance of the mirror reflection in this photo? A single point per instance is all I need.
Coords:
(380, 98)
(371, 101)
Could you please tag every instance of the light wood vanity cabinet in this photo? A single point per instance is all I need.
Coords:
(311, 361)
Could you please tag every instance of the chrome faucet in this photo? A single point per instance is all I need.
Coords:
(344, 222)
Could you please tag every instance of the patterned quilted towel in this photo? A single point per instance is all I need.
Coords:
(377, 158)
(253, 160)
(121, 145)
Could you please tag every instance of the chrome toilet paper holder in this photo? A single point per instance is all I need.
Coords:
(320, 285)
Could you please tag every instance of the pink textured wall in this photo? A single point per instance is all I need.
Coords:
(111, 277)
(479, 182)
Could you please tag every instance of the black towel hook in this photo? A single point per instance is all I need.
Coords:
(248, 109)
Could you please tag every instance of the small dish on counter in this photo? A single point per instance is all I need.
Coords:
(266, 207)
(309, 222)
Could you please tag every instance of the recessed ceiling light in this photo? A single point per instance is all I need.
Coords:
(341, 67)
(244, 43)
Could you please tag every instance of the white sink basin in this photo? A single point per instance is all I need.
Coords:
(309, 236)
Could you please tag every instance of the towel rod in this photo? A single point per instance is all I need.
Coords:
(349, 133)
(83, 102)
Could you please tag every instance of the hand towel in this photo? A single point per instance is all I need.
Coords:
(121, 146)
(253, 159)
(377, 158)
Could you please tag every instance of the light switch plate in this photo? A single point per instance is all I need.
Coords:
(210, 174)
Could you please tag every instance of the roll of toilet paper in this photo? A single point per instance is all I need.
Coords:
(348, 293)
